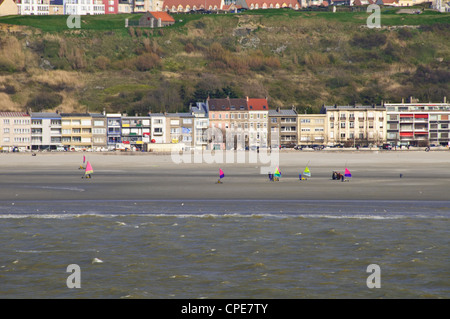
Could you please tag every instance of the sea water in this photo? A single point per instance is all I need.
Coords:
(224, 249)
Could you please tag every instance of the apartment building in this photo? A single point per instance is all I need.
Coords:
(111, 6)
(312, 129)
(33, 7)
(356, 125)
(418, 124)
(56, 7)
(283, 127)
(15, 131)
(99, 131)
(76, 131)
(84, 7)
(258, 116)
(182, 129)
(201, 124)
(158, 128)
(46, 132)
(136, 131)
(114, 130)
(219, 111)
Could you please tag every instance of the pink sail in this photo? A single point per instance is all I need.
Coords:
(347, 173)
(89, 169)
(221, 174)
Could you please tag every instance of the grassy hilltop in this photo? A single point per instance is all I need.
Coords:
(304, 59)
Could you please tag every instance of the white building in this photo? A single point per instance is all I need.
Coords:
(45, 131)
(158, 128)
(201, 124)
(34, 7)
(15, 131)
(84, 7)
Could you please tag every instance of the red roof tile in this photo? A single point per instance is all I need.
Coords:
(199, 4)
(258, 105)
(164, 16)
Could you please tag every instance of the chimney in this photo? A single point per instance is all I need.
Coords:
(247, 98)
(403, 101)
(445, 99)
(410, 99)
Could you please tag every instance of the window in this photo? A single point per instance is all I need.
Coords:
(99, 123)
(98, 131)
(343, 125)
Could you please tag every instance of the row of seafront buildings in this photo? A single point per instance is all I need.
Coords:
(229, 124)
(93, 7)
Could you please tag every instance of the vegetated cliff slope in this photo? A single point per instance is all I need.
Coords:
(304, 59)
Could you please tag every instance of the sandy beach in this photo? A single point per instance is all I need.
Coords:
(376, 176)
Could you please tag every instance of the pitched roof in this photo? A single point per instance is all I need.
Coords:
(257, 105)
(75, 115)
(13, 114)
(45, 115)
(184, 114)
(227, 104)
(164, 16)
(287, 112)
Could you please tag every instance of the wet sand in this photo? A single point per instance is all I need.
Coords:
(376, 176)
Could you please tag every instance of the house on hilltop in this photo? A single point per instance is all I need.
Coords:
(156, 19)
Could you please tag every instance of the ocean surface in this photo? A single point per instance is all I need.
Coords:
(224, 249)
